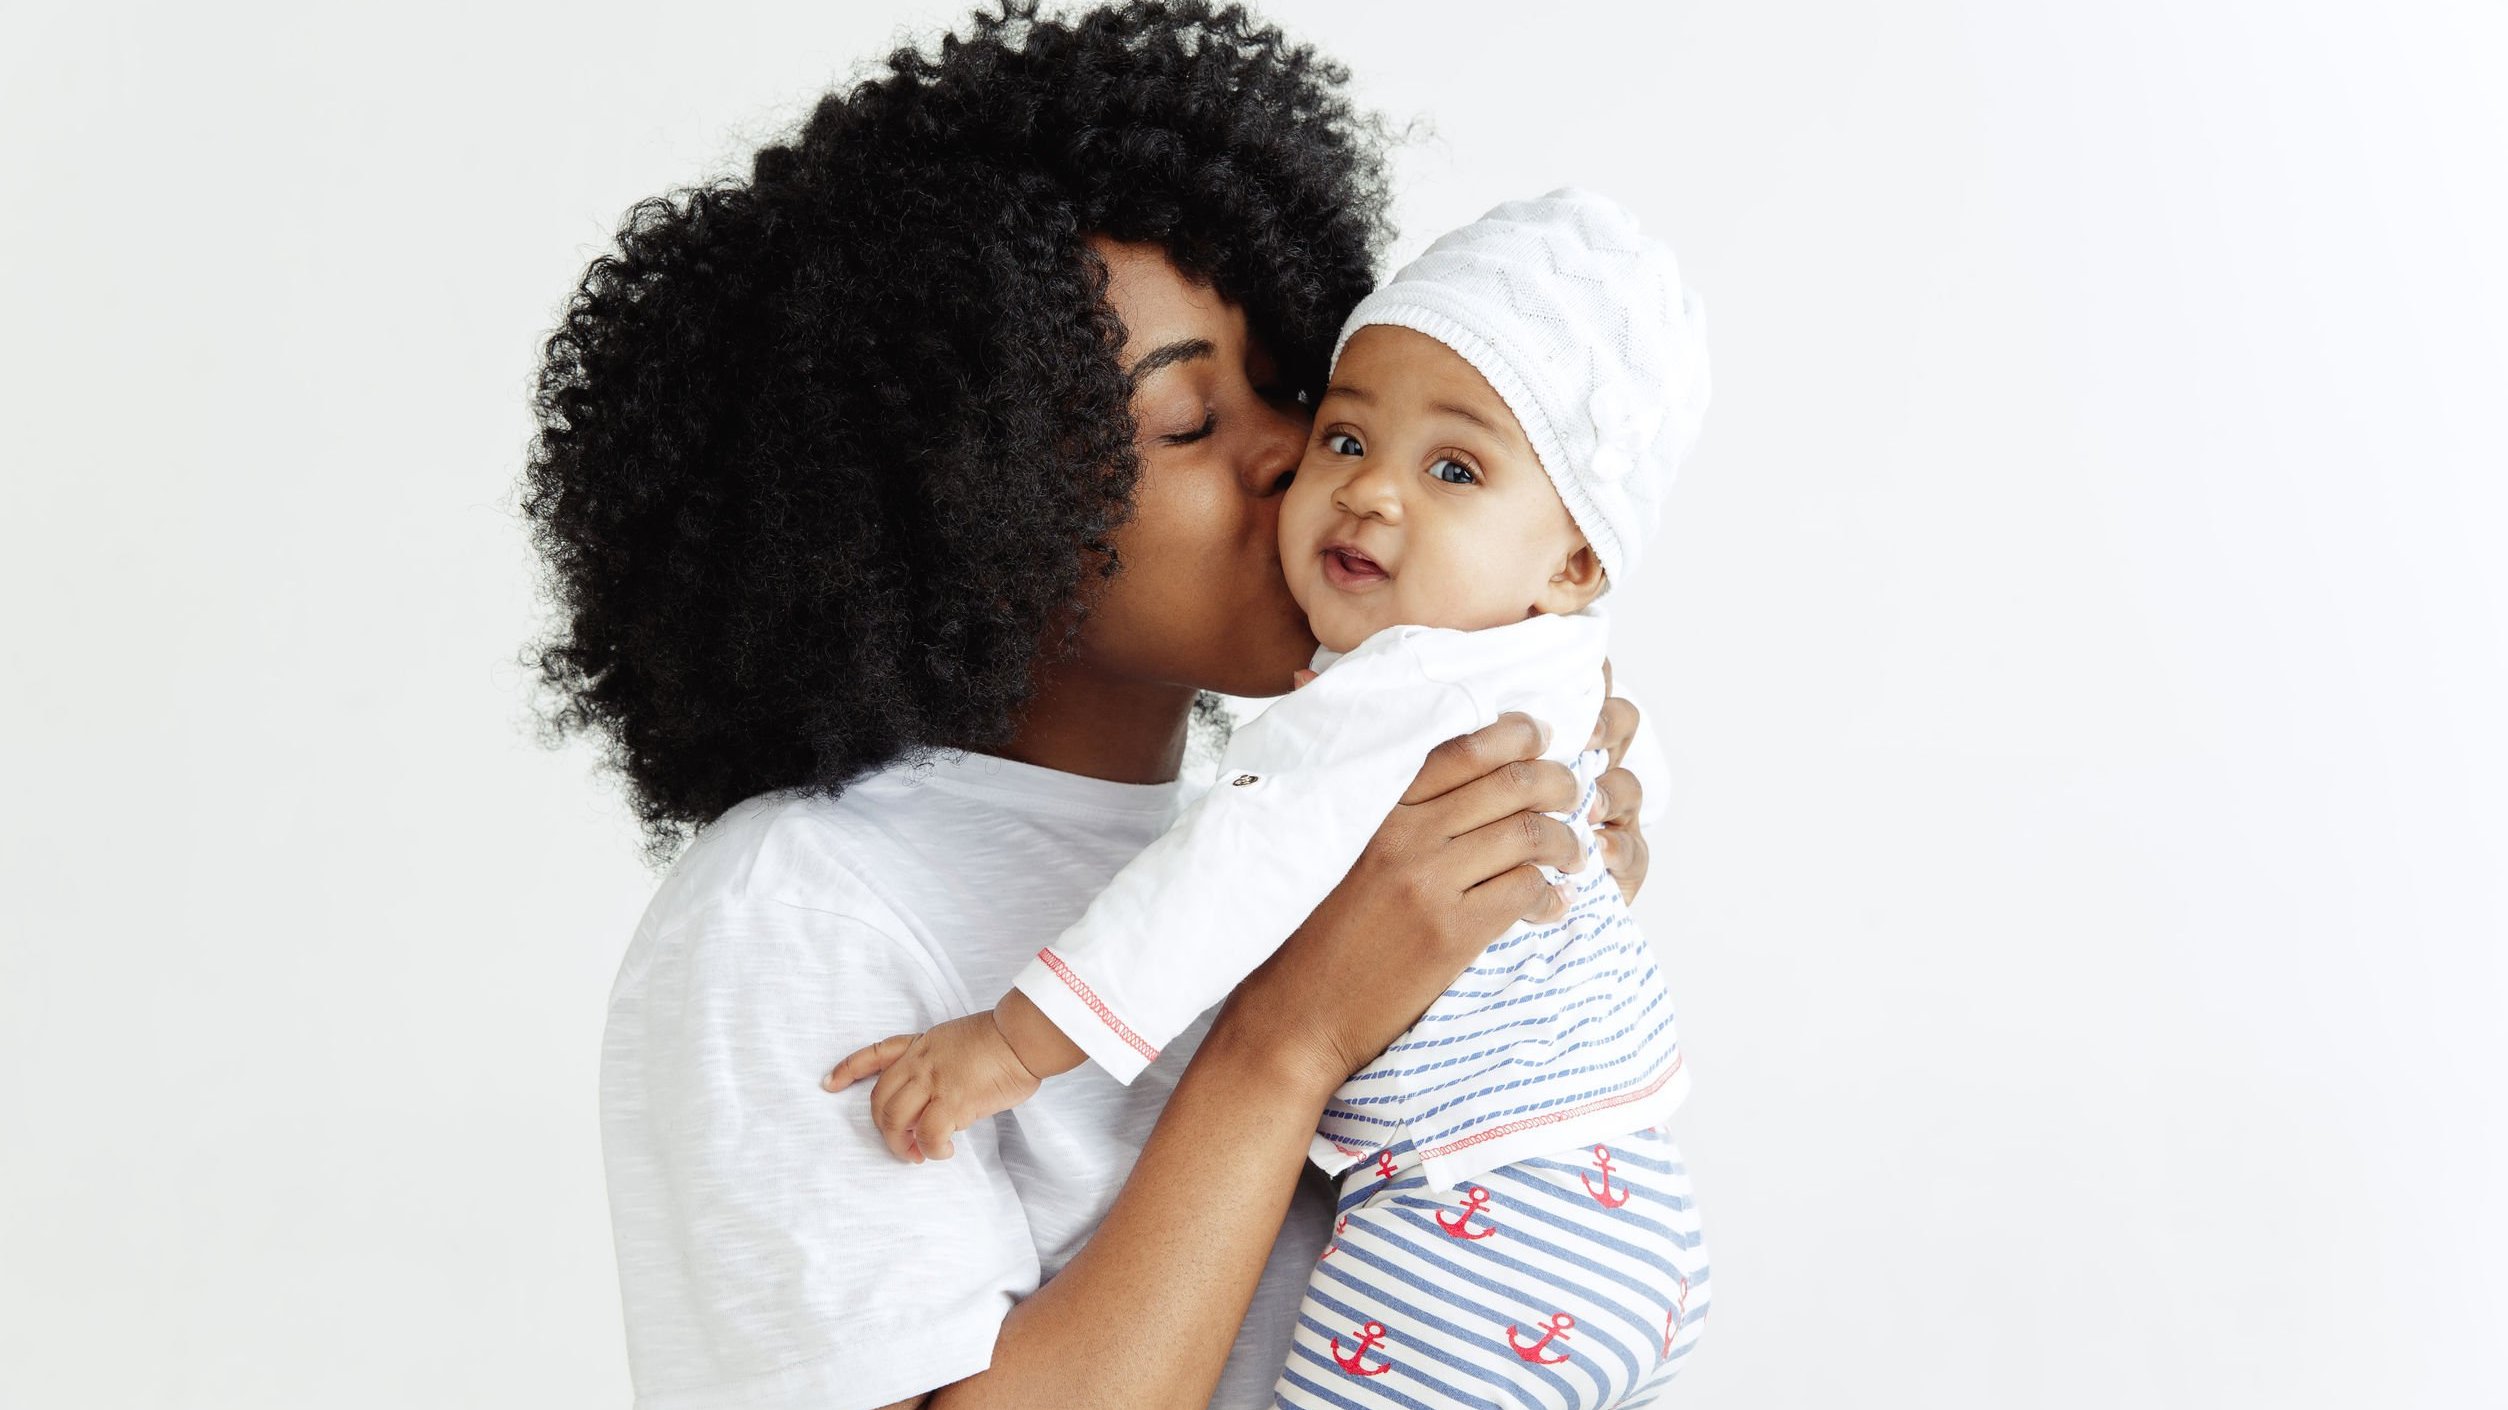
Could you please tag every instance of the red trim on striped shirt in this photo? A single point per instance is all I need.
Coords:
(1096, 1005)
(1548, 1118)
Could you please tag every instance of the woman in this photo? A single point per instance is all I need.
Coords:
(961, 425)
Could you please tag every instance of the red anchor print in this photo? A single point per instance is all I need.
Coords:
(1368, 1335)
(1384, 1165)
(1556, 1327)
(1604, 1196)
(1338, 1230)
(1680, 1312)
(1474, 1200)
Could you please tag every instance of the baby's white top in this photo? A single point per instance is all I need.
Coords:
(1559, 1035)
(1300, 790)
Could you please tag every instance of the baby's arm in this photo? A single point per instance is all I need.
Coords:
(1300, 791)
(936, 1084)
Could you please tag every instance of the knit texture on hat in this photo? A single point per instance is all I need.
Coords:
(1582, 326)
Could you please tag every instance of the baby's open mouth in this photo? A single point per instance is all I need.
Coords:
(1348, 568)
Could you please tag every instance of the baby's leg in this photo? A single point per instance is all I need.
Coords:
(1666, 1179)
(1555, 1283)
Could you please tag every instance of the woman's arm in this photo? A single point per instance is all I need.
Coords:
(1145, 1314)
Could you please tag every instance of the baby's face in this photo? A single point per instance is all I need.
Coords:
(1420, 502)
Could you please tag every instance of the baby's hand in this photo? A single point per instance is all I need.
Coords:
(934, 1085)
(1299, 677)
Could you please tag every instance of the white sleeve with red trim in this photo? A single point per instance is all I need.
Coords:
(1300, 790)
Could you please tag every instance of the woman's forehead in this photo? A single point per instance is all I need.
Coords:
(1157, 301)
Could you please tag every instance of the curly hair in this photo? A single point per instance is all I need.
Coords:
(823, 456)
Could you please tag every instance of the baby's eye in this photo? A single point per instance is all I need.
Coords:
(1342, 443)
(1468, 476)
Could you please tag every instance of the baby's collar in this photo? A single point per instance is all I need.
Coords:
(1324, 655)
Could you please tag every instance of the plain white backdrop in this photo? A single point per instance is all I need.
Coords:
(2082, 652)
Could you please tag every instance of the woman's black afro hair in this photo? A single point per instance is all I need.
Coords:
(824, 454)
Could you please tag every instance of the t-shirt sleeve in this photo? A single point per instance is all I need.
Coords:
(771, 1251)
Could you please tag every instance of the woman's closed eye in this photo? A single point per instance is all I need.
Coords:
(1210, 423)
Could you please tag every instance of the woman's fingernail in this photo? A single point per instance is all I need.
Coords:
(1566, 898)
(1542, 727)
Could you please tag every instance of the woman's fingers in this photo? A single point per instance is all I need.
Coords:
(1516, 736)
(1519, 894)
(865, 1062)
(1520, 786)
(1622, 798)
(1614, 728)
(1497, 848)
(1624, 849)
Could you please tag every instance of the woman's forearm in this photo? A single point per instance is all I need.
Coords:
(1145, 1314)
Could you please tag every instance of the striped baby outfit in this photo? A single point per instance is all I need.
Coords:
(1559, 1035)
(1575, 1281)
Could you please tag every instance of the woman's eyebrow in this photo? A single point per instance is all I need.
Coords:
(1169, 354)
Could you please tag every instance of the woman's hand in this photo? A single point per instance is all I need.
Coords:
(1453, 866)
(1623, 841)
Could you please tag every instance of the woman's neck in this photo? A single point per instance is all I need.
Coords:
(1083, 720)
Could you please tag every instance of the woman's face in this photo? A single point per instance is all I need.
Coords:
(1201, 601)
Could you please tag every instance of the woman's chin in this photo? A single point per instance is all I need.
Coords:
(1261, 669)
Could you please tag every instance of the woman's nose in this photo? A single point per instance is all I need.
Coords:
(1280, 442)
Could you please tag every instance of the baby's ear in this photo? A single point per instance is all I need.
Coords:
(1576, 582)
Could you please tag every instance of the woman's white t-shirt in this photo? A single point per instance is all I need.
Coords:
(771, 1252)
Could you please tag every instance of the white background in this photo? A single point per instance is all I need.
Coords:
(2080, 652)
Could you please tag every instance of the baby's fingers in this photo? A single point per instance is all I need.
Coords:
(933, 1126)
(864, 1062)
(896, 1108)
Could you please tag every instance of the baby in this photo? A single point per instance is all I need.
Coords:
(1489, 457)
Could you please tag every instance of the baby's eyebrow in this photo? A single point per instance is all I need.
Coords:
(1467, 414)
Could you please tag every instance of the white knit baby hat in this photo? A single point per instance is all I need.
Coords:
(1582, 325)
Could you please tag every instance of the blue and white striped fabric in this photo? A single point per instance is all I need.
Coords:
(1575, 1282)
(1558, 1036)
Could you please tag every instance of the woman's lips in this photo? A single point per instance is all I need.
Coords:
(1350, 570)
